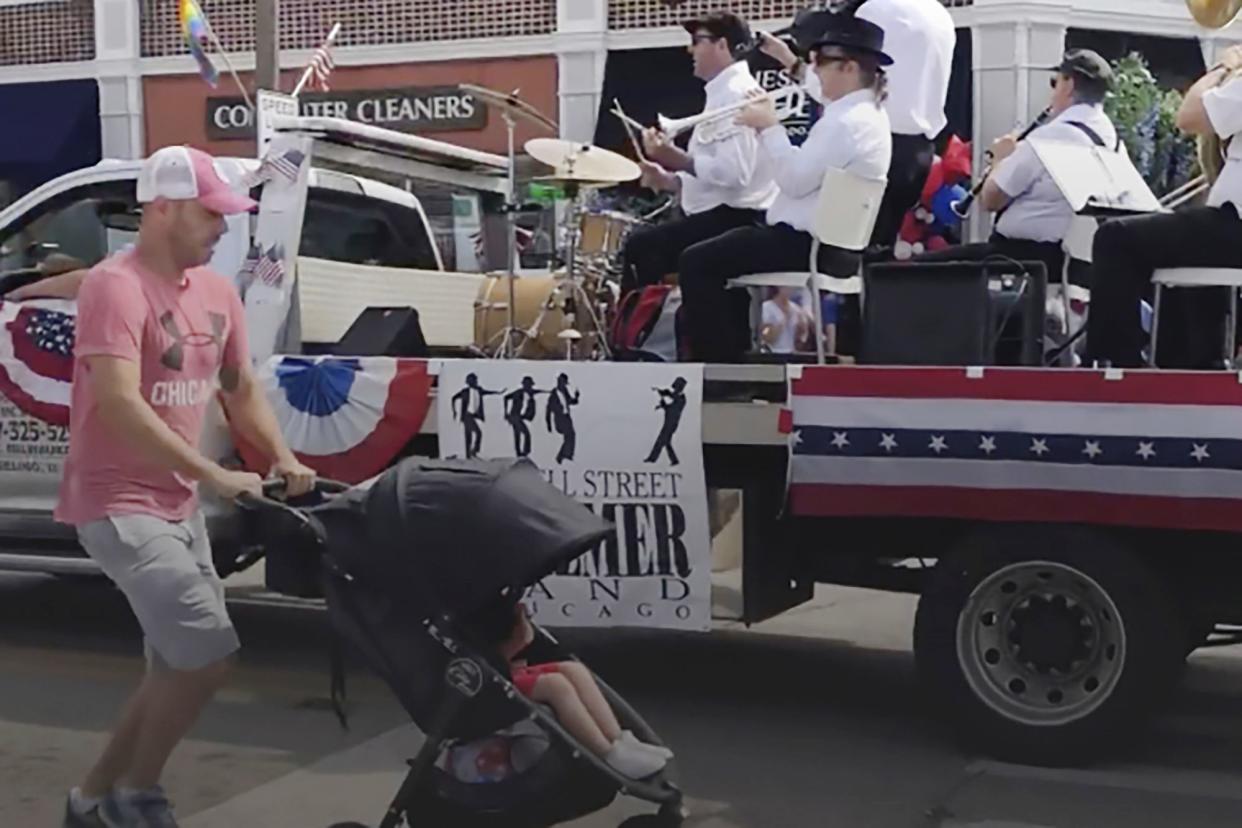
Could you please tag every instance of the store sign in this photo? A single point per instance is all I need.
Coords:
(408, 109)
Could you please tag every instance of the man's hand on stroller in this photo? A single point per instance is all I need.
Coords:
(299, 478)
(230, 485)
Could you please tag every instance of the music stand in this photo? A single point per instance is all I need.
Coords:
(1096, 181)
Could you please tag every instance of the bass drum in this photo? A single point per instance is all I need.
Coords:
(531, 294)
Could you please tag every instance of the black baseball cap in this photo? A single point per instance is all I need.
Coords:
(1085, 63)
(723, 24)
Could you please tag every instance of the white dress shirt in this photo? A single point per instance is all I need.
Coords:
(920, 37)
(852, 134)
(727, 167)
(1224, 110)
(1038, 211)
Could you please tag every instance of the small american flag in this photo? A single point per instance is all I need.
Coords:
(321, 66)
(286, 164)
(270, 268)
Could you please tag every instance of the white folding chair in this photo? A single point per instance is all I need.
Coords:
(845, 216)
(1077, 246)
(1199, 277)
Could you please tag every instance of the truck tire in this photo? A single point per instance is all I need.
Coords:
(1046, 645)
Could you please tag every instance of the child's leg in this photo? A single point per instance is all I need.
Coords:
(556, 690)
(592, 698)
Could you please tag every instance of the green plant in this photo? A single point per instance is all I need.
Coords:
(1145, 116)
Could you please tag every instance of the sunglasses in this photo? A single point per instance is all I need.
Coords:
(827, 60)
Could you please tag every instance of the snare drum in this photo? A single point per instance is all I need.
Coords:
(531, 294)
(603, 233)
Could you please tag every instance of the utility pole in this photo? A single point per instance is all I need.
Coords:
(267, 45)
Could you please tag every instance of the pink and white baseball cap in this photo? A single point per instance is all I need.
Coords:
(184, 174)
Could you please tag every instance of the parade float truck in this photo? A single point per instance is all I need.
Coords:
(1072, 534)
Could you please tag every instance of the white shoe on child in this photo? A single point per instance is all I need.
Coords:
(628, 737)
(633, 762)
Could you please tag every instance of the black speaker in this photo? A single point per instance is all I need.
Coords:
(926, 314)
(954, 313)
(393, 332)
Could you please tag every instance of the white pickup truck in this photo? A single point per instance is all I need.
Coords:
(90, 213)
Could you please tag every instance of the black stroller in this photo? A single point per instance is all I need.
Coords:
(401, 564)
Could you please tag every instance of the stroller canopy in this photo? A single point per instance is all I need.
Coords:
(472, 528)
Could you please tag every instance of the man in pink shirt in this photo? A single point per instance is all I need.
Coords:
(157, 336)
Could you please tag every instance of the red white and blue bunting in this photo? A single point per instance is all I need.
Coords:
(36, 357)
(347, 418)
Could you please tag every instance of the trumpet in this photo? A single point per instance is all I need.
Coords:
(961, 208)
(788, 99)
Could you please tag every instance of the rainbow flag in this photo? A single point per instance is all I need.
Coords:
(194, 32)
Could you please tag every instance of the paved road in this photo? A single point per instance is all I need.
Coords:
(813, 720)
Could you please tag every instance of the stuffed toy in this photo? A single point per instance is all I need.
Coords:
(932, 225)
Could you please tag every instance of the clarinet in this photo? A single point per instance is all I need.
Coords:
(961, 208)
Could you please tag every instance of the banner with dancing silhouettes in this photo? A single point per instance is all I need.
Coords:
(624, 439)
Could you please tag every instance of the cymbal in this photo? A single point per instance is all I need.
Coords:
(510, 103)
(582, 162)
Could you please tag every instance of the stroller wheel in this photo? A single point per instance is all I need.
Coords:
(660, 820)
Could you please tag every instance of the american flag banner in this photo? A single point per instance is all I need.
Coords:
(36, 357)
(1158, 449)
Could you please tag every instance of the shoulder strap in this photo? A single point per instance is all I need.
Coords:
(1093, 135)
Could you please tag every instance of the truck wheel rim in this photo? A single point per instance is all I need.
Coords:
(1041, 643)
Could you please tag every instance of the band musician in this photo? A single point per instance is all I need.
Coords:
(921, 37)
(1032, 216)
(721, 180)
(1127, 251)
(852, 134)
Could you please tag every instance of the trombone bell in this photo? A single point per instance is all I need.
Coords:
(1214, 14)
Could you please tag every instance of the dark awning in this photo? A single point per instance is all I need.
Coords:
(48, 129)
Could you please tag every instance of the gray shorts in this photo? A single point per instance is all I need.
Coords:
(166, 572)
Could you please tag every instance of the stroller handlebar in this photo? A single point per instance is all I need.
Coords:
(274, 494)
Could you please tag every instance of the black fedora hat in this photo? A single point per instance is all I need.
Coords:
(850, 32)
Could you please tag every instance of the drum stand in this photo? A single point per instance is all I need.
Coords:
(507, 349)
(578, 296)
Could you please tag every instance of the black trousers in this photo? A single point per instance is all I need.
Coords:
(718, 319)
(1125, 253)
(912, 162)
(652, 252)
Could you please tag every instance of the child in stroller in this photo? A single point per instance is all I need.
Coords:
(407, 564)
(570, 690)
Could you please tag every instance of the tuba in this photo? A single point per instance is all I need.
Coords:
(1211, 14)
(1212, 148)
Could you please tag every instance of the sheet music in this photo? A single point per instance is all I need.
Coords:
(1095, 180)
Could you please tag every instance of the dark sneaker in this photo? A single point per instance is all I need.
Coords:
(73, 819)
(137, 809)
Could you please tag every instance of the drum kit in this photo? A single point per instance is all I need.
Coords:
(565, 314)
